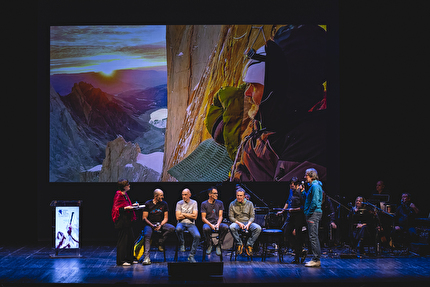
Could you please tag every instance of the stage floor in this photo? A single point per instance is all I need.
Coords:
(32, 265)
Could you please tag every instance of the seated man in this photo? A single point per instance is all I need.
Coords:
(241, 213)
(155, 216)
(186, 214)
(404, 221)
(212, 210)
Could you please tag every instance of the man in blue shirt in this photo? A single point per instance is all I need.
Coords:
(313, 213)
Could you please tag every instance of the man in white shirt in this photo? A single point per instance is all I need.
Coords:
(186, 214)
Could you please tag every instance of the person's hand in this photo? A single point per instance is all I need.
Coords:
(397, 227)
(241, 225)
(247, 226)
(128, 207)
(333, 225)
(158, 227)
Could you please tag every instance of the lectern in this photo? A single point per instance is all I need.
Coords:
(66, 228)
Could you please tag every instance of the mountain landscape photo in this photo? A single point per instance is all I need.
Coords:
(108, 107)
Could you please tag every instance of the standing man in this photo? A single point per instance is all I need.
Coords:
(186, 214)
(313, 213)
(155, 216)
(241, 213)
(212, 211)
(382, 197)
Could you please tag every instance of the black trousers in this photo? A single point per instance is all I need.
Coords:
(295, 220)
(124, 247)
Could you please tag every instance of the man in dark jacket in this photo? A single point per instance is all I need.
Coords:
(285, 81)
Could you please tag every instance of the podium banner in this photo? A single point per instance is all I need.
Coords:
(66, 227)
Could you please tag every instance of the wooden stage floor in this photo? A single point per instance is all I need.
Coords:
(31, 265)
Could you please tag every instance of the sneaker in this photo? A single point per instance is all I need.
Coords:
(160, 248)
(182, 248)
(146, 261)
(313, 263)
(126, 264)
(218, 250)
(209, 250)
(191, 259)
(239, 249)
(248, 250)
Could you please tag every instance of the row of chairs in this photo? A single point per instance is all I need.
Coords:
(267, 236)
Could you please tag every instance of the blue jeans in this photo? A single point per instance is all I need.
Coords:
(165, 230)
(254, 228)
(180, 227)
(313, 221)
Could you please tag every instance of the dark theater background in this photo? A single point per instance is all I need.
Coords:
(379, 132)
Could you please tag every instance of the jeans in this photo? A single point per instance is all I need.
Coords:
(313, 221)
(207, 232)
(254, 228)
(165, 230)
(181, 227)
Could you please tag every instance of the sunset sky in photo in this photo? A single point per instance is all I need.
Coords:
(102, 48)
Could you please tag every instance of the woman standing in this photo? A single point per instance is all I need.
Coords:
(122, 216)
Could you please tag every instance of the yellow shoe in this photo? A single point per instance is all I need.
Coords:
(249, 250)
(239, 249)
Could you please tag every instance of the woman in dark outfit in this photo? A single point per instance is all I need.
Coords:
(122, 216)
(295, 221)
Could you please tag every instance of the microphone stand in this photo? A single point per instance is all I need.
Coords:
(377, 208)
(340, 204)
(253, 194)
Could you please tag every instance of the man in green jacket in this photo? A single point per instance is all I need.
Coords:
(241, 213)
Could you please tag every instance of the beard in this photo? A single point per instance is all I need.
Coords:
(254, 108)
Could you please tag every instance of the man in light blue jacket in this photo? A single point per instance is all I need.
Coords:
(313, 213)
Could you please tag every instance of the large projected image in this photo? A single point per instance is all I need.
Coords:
(108, 102)
(188, 103)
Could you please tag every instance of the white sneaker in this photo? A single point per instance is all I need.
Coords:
(146, 261)
(191, 259)
(126, 264)
(313, 264)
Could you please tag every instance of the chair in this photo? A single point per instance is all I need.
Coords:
(214, 235)
(272, 235)
(244, 237)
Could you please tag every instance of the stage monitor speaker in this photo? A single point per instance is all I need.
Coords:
(195, 270)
